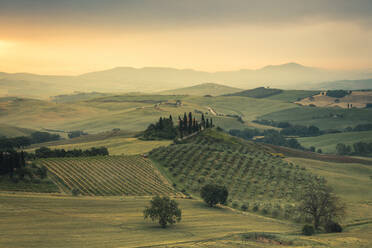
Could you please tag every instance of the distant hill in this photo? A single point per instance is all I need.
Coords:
(13, 131)
(151, 79)
(260, 92)
(203, 89)
(346, 84)
(276, 94)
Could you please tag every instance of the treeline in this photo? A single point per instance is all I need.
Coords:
(164, 128)
(359, 128)
(310, 131)
(358, 149)
(23, 141)
(293, 130)
(45, 152)
(338, 93)
(269, 136)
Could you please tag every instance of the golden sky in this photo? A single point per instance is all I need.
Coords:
(77, 36)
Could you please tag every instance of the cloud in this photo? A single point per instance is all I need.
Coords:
(183, 13)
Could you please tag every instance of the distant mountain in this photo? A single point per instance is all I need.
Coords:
(155, 79)
(203, 89)
(346, 84)
(259, 92)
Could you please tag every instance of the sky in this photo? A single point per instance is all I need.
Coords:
(78, 36)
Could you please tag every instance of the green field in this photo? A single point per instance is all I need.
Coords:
(29, 220)
(328, 142)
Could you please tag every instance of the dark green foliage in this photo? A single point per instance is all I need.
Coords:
(246, 133)
(12, 162)
(362, 127)
(343, 149)
(45, 152)
(275, 138)
(7, 144)
(214, 194)
(332, 227)
(75, 134)
(308, 230)
(40, 137)
(358, 149)
(163, 129)
(338, 93)
(163, 209)
(244, 207)
(292, 130)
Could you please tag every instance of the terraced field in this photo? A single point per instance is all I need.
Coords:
(102, 176)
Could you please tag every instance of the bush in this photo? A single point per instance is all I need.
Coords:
(308, 230)
(244, 207)
(213, 194)
(332, 227)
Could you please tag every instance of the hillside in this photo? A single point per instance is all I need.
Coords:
(103, 176)
(13, 131)
(276, 94)
(254, 177)
(203, 89)
(260, 92)
(130, 112)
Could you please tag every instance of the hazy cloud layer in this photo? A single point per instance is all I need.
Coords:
(168, 13)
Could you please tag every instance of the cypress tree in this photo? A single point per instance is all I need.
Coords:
(190, 123)
(202, 121)
(207, 124)
(185, 122)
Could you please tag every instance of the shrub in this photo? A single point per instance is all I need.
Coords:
(308, 230)
(244, 207)
(256, 207)
(213, 194)
(332, 227)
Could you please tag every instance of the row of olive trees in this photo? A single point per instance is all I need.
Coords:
(317, 201)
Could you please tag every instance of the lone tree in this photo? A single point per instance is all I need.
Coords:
(213, 194)
(163, 209)
(321, 204)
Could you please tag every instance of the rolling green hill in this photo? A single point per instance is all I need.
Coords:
(130, 112)
(253, 175)
(203, 89)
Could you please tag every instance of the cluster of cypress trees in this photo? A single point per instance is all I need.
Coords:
(163, 129)
(11, 161)
(189, 125)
